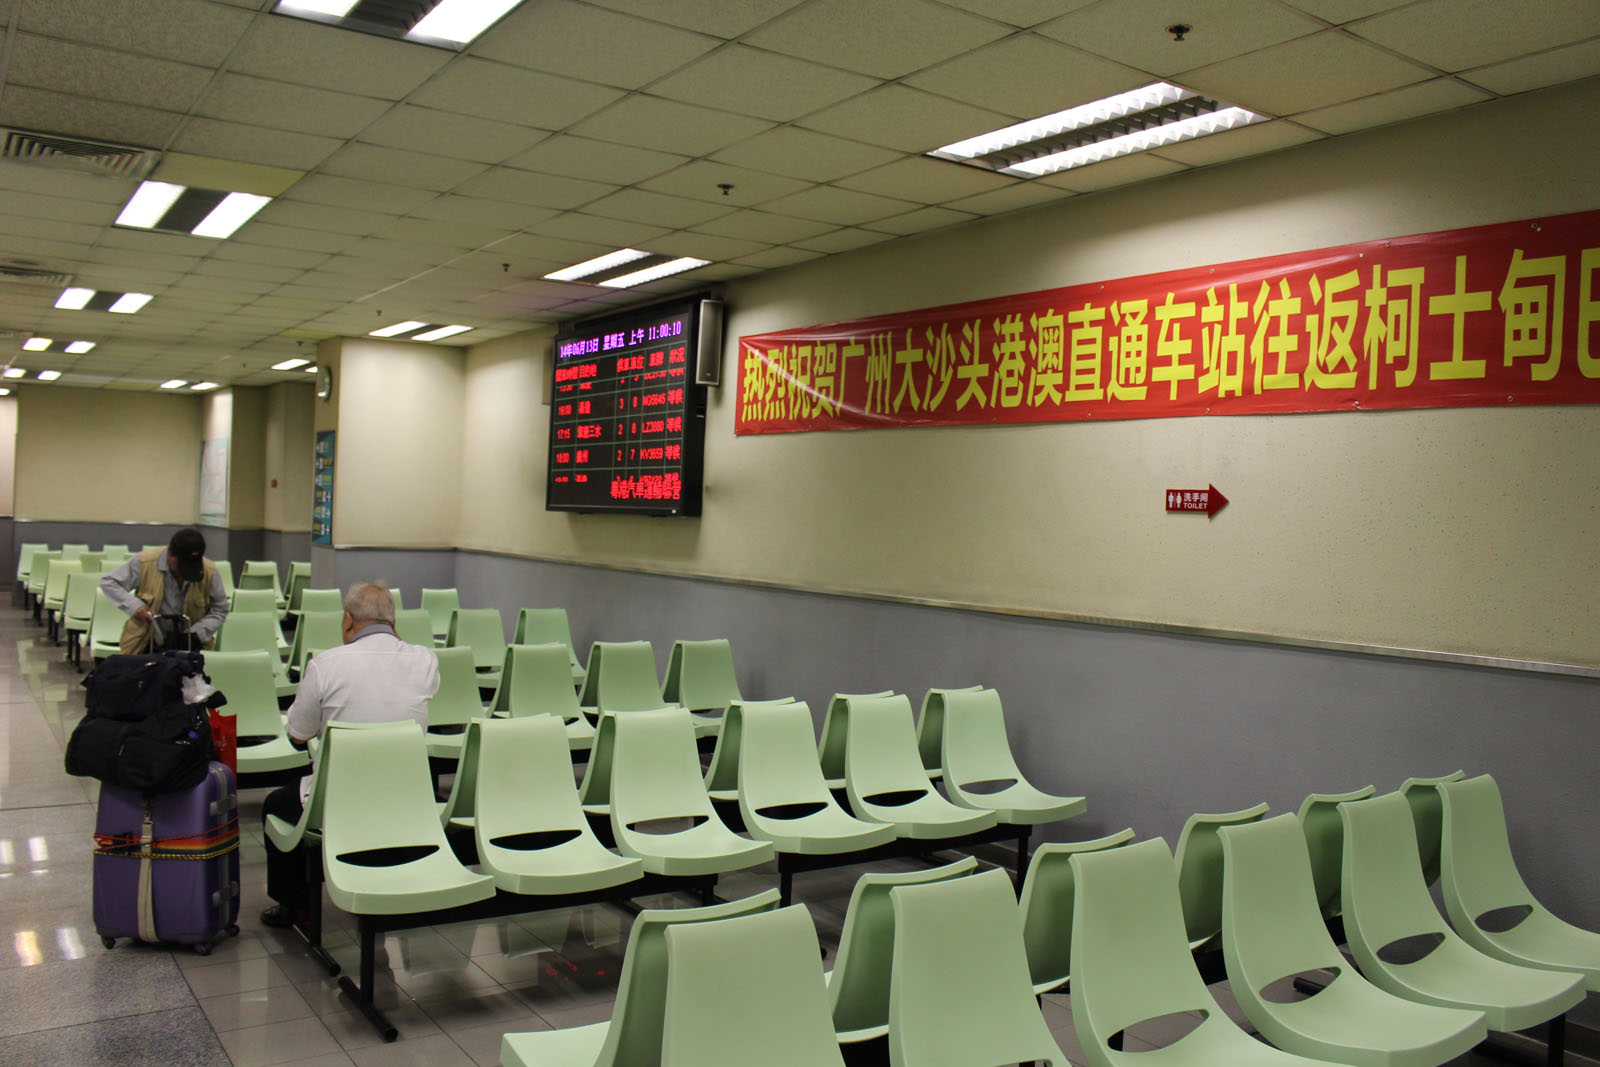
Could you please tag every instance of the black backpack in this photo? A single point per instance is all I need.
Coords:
(138, 732)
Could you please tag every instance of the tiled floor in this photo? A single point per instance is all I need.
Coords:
(258, 999)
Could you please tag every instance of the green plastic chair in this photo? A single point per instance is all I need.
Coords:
(1200, 872)
(930, 729)
(319, 600)
(317, 630)
(886, 782)
(1387, 909)
(90, 562)
(481, 630)
(782, 796)
(548, 626)
(959, 994)
(1324, 833)
(655, 775)
(246, 631)
(1480, 882)
(441, 605)
(621, 677)
(225, 569)
(858, 986)
(836, 735)
(1046, 901)
(399, 598)
(247, 680)
(722, 773)
(747, 990)
(112, 555)
(1272, 930)
(298, 582)
(261, 602)
(537, 680)
(105, 627)
(455, 704)
(1131, 964)
(77, 611)
(55, 590)
(263, 574)
(531, 832)
(700, 677)
(73, 549)
(384, 852)
(37, 571)
(1427, 815)
(25, 553)
(976, 752)
(633, 1034)
(411, 625)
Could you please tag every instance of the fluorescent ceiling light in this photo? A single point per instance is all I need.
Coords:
(311, 369)
(37, 344)
(650, 274)
(334, 9)
(290, 364)
(73, 298)
(78, 348)
(146, 206)
(596, 265)
(5, 392)
(49, 375)
(1143, 140)
(128, 303)
(398, 328)
(173, 383)
(1073, 118)
(235, 210)
(14, 372)
(441, 332)
(459, 21)
(200, 387)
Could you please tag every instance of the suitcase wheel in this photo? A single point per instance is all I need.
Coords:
(108, 942)
(233, 929)
(202, 948)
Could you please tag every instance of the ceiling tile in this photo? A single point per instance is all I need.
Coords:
(477, 211)
(1306, 73)
(325, 217)
(60, 208)
(843, 207)
(273, 236)
(253, 144)
(763, 84)
(473, 86)
(1125, 170)
(591, 44)
(1040, 77)
(1535, 72)
(1342, 11)
(704, 246)
(845, 240)
(173, 29)
(78, 116)
(527, 187)
(1134, 31)
(1023, 13)
(773, 258)
(126, 257)
(1017, 197)
(537, 249)
(20, 177)
(335, 191)
(263, 102)
(603, 161)
(445, 133)
(702, 178)
(309, 53)
(1425, 98)
(923, 220)
(592, 229)
(1239, 143)
(764, 227)
(805, 154)
(443, 234)
(656, 209)
(46, 63)
(886, 39)
(1457, 34)
(903, 118)
(257, 272)
(377, 163)
(650, 122)
(720, 18)
(927, 181)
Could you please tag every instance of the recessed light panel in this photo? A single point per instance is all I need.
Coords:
(73, 298)
(596, 265)
(173, 383)
(398, 328)
(650, 274)
(78, 348)
(200, 387)
(129, 303)
(14, 372)
(173, 208)
(439, 333)
(442, 23)
(49, 375)
(290, 364)
(458, 21)
(37, 344)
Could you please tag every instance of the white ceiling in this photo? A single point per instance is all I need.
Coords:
(442, 186)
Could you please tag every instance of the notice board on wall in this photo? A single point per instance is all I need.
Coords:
(322, 489)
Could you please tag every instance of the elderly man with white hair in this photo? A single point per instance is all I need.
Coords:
(373, 677)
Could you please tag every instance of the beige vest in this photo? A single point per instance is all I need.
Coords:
(152, 590)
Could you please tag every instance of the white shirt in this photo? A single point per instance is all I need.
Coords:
(375, 678)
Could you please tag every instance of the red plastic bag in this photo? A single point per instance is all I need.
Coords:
(225, 736)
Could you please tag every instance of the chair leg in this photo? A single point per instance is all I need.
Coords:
(362, 994)
(1556, 1036)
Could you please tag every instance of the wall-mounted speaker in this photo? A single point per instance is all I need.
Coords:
(708, 351)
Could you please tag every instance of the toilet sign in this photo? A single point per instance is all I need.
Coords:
(1208, 500)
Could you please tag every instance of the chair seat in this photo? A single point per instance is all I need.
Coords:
(444, 746)
(1542, 940)
(572, 1046)
(1020, 804)
(432, 883)
(1510, 997)
(1349, 1012)
(1216, 1040)
(285, 835)
(275, 755)
(581, 865)
(929, 817)
(822, 833)
(705, 849)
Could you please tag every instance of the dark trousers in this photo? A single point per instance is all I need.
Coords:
(286, 871)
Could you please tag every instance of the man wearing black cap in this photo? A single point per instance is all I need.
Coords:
(176, 580)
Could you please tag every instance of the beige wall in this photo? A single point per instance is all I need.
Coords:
(286, 457)
(246, 462)
(8, 453)
(99, 455)
(1467, 531)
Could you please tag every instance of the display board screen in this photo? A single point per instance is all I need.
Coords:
(627, 422)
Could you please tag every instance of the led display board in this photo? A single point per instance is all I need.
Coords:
(627, 421)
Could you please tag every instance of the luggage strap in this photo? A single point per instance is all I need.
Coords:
(208, 844)
(147, 911)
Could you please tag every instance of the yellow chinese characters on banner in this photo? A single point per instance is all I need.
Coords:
(1502, 314)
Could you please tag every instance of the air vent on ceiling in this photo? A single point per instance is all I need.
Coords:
(75, 153)
(33, 275)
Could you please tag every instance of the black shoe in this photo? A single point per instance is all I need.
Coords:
(282, 917)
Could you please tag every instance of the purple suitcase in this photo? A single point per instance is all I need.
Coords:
(176, 879)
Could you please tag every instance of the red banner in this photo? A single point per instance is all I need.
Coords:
(1498, 315)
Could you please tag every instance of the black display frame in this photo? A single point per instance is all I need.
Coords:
(691, 462)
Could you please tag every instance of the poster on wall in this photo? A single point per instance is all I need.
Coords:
(322, 490)
(213, 507)
(1492, 315)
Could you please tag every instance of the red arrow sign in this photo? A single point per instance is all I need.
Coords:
(1209, 500)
